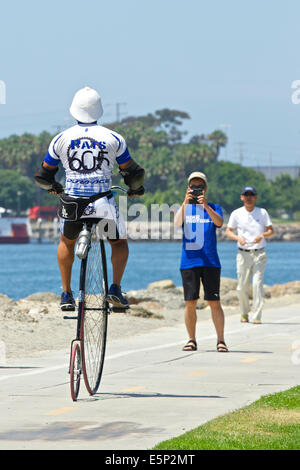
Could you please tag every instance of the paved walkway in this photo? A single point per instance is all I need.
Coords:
(151, 390)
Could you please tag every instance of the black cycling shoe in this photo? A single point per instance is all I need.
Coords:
(67, 302)
(115, 297)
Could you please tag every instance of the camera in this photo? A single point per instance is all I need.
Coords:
(197, 191)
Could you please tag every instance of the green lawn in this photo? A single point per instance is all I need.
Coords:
(270, 423)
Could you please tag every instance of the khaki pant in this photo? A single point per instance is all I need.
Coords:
(252, 263)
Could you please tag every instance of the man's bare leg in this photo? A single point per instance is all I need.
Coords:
(119, 257)
(65, 258)
(218, 319)
(190, 318)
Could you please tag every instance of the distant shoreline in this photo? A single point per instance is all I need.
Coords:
(164, 232)
(163, 285)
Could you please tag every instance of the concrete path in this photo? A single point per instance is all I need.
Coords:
(151, 390)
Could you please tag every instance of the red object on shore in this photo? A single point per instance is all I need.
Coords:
(43, 212)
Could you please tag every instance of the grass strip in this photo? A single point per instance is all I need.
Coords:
(270, 423)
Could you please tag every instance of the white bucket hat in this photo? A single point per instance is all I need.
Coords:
(86, 106)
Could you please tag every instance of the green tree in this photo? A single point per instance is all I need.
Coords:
(216, 140)
(17, 192)
(24, 153)
(286, 193)
(226, 180)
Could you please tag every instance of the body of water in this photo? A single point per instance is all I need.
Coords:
(25, 269)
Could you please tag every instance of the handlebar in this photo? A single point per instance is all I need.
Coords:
(113, 188)
(119, 188)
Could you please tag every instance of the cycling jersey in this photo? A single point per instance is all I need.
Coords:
(88, 153)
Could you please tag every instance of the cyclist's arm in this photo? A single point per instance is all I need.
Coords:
(125, 165)
(45, 178)
(51, 167)
(133, 175)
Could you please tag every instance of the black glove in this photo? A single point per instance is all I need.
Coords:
(136, 192)
(56, 188)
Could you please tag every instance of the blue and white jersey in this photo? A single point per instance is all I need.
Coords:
(88, 153)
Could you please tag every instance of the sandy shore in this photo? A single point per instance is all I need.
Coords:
(34, 325)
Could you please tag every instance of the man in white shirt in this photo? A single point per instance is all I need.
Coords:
(253, 225)
(88, 153)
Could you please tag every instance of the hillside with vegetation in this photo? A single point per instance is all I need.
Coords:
(158, 142)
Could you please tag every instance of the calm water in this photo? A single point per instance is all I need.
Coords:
(26, 269)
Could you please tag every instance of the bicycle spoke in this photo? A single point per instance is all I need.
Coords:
(95, 321)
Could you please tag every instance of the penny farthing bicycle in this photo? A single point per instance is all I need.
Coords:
(88, 348)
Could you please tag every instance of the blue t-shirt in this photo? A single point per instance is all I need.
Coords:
(199, 242)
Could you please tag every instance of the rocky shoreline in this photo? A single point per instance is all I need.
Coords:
(164, 231)
(289, 232)
(35, 324)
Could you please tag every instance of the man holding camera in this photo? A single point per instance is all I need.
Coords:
(199, 260)
(253, 226)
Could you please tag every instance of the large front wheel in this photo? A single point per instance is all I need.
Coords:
(94, 311)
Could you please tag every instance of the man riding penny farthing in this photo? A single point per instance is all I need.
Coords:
(88, 153)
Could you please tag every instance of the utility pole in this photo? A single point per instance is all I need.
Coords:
(271, 166)
(118, 112)
(241, 155)
(226, 126)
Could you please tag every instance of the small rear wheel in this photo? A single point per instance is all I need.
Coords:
(75, 371)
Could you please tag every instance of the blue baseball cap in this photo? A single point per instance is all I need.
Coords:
(249, 189)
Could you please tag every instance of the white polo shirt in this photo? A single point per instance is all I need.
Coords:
(249, 225)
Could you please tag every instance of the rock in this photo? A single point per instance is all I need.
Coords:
(134, 297)
(45, 297)
(290, 237)
(166, 284)
(227, 284)
(132, 300)
(143, 311)
(38, 311)
(230, 298)
(283, 232)
(6, 303)
(267, 291)
(289, 288)
(151, 305)
(201, 304)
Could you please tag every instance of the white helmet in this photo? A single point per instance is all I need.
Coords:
(86, 106)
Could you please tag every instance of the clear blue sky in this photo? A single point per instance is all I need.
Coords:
(222, 61)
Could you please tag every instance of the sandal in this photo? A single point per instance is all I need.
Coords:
(191, 345)
(221, 347)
